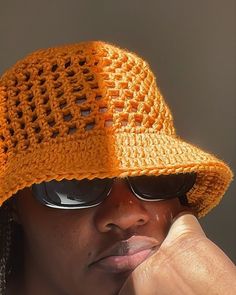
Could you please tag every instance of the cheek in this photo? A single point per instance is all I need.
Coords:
(162, 214)
(55, 237)
(61, 239)
(167, 210)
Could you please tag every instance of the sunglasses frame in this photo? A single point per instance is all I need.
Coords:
(41, 189)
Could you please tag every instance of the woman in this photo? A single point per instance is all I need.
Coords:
(92, 171)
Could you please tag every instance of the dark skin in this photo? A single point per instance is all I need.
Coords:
(60, 244)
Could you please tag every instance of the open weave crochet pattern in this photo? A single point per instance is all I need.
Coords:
(91, 110)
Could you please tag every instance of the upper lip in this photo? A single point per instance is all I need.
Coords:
(130, 246)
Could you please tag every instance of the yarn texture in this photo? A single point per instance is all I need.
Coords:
(91, 110)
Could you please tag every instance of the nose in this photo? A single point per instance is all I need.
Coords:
(120, 210)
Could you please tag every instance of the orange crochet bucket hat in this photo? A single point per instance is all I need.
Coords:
(91, 110)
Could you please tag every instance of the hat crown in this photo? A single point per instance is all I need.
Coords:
(93, 110)
(76, 90)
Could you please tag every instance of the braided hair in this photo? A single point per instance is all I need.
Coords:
(10, 245)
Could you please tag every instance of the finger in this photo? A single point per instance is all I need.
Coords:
(185, 223)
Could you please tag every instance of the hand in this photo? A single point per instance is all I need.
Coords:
(186, 263)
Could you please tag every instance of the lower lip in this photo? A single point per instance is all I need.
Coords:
(118, 264)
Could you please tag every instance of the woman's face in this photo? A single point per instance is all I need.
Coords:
(62, 246)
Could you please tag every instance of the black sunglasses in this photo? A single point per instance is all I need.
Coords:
(85, 193)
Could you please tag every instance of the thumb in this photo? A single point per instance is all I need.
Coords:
(184, 224)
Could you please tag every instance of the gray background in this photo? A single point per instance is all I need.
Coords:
(191, 46)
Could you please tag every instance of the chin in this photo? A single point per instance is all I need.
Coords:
(103, 284)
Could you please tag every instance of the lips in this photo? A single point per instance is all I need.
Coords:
(126, 255)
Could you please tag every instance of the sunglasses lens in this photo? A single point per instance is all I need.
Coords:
(72, 193)
(163, 186)
(87, 193)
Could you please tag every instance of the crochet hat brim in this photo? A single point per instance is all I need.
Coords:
(119, 155)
